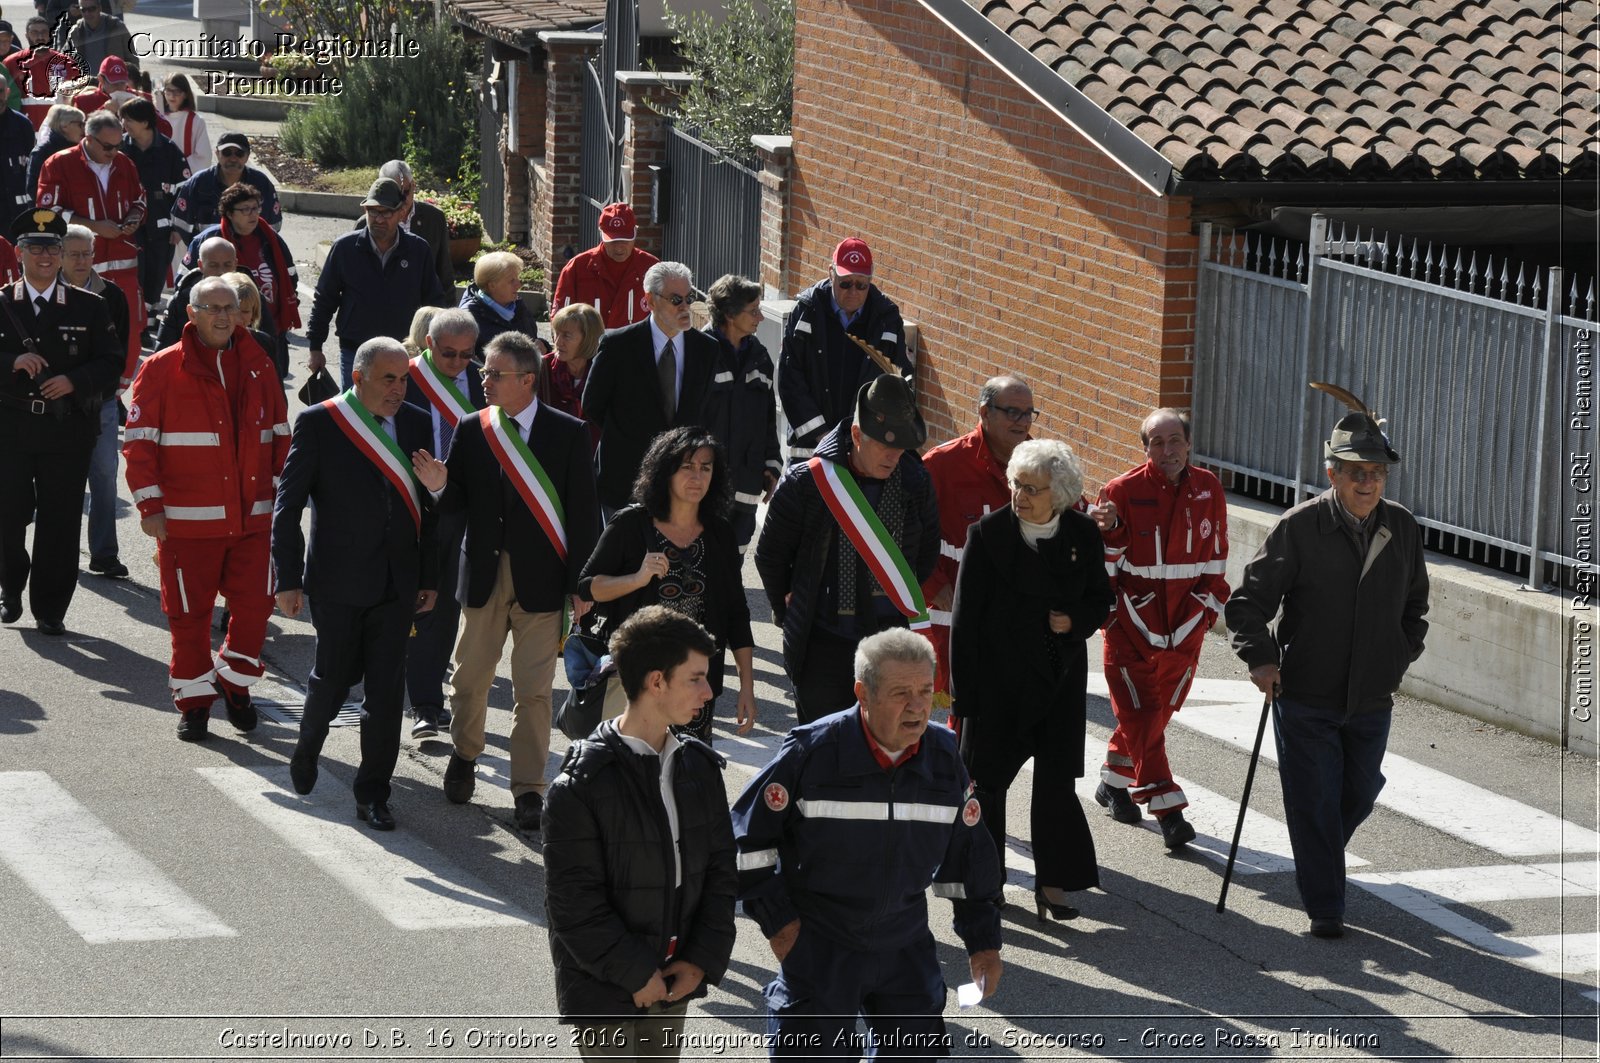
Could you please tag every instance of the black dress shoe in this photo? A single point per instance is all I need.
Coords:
(530, 806)
(192, 725)
(241, 710)
(376, 815)
(1176, 832)
(1327, 928)
(303, 774)
(427, 725)
(460, 778)
(10, 611)
(50, 627)
(109, 567)
(1117, 804)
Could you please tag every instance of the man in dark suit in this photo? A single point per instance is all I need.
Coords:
(59, 359)
(636, 391)
(372, 564)
(424, 220)
(441, 378)
(524, 550)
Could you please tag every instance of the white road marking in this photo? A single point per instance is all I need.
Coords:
(406, 881)
(1501, 882)
(1229, 709)
(103, 889)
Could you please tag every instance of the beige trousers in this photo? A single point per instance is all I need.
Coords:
(535, 644)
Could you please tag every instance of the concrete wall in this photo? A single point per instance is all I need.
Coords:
(1495, 651)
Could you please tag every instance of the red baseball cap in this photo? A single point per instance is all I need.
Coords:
(114, 69)
(852, 256)
(617, 223)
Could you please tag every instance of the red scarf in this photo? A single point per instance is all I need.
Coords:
(285, 304)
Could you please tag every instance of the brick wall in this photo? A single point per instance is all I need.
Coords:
(554, 187)
(531, 107)
(1015, 243)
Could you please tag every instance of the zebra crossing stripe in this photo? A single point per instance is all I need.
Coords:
(103, 889)
(402, 878)
(1227, 710)
(1502, 882)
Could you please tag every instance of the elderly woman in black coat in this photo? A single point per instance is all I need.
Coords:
(1030, 592)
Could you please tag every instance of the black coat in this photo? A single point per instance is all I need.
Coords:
(75, 338)
(621, 551)
(363, 540)
(428, 222)
(623, 398)
(800, 530)
(116, 306)
(1003, 675)
(609, 872)
(742, 412)
(415, 397)
(498, 519)
(16, 151)
(812, 403)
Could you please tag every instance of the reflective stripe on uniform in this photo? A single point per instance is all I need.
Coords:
(955, 891)
(757, 860)
(747, 498)
(146, 493)
(816, 422)
(130, 435)
(188, 439)
(197, 512)
(843, 809)
(916, 811)
(261, 508)
(1187, 571)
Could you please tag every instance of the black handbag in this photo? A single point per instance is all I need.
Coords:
(319, 387)
(589, 671)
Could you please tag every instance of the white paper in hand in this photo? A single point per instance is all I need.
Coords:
(969, 994)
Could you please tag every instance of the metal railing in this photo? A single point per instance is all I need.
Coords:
(712, 220)
(597, 168)
(1484, 371)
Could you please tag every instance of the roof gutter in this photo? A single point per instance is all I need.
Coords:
(1392, 193)
(1142, 162)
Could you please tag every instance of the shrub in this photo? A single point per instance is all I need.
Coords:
(744, 62)
(460, 215)
(384, 100)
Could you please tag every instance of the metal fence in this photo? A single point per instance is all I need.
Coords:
(597, 167)
(712, 221)
(1484, 371)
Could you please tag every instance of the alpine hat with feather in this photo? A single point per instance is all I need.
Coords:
(1358, 435)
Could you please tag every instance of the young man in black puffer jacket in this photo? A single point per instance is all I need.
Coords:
(639, 853)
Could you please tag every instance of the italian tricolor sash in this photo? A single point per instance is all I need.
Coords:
(354, 420)
(526, 475)
(440, 389)
(870, 538)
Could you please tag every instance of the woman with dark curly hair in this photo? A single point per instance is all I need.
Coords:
(674, 547)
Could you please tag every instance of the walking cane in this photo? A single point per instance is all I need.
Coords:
(1244, 802)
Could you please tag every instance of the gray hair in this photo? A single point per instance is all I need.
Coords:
(453, 322)
(60, 115)
(520, 347)
(1158, 415)
(368, 352)
(655, 278)
(102, 120)
(1056, 460)
(79, 232)
(995, 385)
(197, 294)
(897, 645)
(730, 294)
(395, 170)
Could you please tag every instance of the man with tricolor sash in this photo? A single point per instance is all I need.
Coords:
(359, 459)
(521, 471)
(443, 385)
(849, 537)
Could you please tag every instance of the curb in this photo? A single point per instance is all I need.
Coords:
(321, 204)
(249, 107)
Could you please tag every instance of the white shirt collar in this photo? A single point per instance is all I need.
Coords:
(34, 293)
(525, 418)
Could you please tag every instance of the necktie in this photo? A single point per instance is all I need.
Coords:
(40, 305)
(447, 434)
(667, 373)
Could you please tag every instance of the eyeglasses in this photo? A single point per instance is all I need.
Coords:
(675, 300)
(232, 153)
(246, 211)
(1018, 413)
(496, 374)
(115, 145)
(41, 249)
(1362, 476)
(207, 308)
(845, 285)
(446, 352)
(1029, 489)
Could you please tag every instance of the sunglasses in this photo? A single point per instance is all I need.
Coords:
(496, 374)
(846, 285)
(675, 300)
(232, 153)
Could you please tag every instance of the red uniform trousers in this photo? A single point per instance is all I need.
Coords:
(193, 572)
(1144, 695)
(127, 282)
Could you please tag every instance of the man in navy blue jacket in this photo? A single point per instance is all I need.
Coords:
(839, 838)
(374, 279)
(195, 204)
(372, 564)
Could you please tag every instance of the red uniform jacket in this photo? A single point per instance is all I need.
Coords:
(585, 280)
(211, 465)
(37, 71)
(1167, 559)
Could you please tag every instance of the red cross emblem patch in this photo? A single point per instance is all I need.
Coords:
(971, 813)
(776, 797)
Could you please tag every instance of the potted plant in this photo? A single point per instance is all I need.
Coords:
(463, 222)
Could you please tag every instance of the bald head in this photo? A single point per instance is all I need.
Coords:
(218, 256)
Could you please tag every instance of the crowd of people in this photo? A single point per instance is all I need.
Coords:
(470, 482)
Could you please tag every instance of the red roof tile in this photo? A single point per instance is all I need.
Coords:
(1331, 89)
(517, 22)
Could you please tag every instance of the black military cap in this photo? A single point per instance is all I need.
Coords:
(40, 225)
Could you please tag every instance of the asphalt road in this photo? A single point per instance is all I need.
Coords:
(172, 901)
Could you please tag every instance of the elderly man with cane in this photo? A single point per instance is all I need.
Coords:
(1348, 571)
